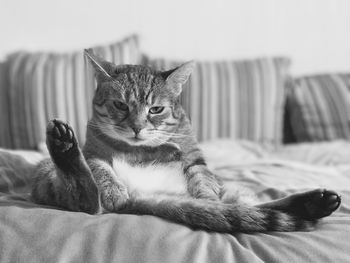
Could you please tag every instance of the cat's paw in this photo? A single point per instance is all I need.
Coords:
(315, 204)
(114, 197)
(60, 137)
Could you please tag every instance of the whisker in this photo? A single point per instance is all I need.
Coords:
(159, 141)
(103, 130)
(112, 130)
(174, 135)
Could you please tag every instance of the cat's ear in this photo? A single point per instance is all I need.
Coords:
(103, 69)
(176, 77)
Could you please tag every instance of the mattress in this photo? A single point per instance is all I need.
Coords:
(34, 233)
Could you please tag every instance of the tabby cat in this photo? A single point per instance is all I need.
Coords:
(141, 157)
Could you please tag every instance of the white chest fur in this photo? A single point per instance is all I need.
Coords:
(158, 178)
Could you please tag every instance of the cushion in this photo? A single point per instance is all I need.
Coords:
(31, 233)
(236, 99)
(5, 137)
(44, 86)
(318, 108)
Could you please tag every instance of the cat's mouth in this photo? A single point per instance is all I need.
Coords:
(135, 139)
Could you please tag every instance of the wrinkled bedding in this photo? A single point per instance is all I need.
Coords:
(33, 233)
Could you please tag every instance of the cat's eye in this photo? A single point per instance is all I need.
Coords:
(156, 110)
(121, 106)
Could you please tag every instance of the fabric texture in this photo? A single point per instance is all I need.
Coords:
(5, 133)
(35, 233)
(44, 86)
(318, 108)
(236, 99)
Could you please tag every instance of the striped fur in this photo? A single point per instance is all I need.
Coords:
(139, 129)
(215, 216)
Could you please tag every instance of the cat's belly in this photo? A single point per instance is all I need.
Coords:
(153, 178)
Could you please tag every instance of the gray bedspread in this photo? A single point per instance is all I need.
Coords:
(32, 233)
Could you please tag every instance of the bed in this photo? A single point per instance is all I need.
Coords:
(256, 102)
(34, 233)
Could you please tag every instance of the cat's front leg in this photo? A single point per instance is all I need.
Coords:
(114, 194)
(65, 180)
(201, 182)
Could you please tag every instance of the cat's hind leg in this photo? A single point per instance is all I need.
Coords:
(66, 180)
(310, 205)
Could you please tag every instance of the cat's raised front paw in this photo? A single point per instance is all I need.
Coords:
(60, 136)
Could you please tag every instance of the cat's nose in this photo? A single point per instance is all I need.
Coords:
(136, 130)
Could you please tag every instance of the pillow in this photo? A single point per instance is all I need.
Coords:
(44, 86)
(236, 99)
(5, 137)
(318, 108)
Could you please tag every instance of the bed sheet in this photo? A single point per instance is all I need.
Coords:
(33, 233)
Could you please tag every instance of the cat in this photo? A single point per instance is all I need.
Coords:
(141, 157)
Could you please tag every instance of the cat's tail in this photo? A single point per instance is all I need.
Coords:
(216, 216)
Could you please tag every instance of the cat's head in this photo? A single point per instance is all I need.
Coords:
(135, 103)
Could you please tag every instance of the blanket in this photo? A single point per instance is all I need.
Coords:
(34, 233)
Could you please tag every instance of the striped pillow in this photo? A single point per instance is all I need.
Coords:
(236, 99)
(5, 137)
(318, 108)
(43, 86)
